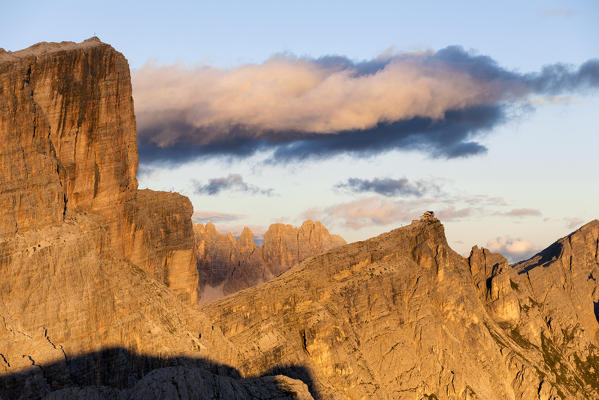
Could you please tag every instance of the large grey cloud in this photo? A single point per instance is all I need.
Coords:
(436, 102)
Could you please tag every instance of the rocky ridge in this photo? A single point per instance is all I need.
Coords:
(98, 278)
(227, 265)
(404, 316)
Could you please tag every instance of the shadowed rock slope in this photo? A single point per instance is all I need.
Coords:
(404, 316)
(227, 265)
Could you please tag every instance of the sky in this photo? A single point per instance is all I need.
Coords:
(360, 114)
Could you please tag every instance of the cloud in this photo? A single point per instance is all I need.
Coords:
(367, 212)
(480, 200)
(521, 212)
(512, 249)
(232, 182)
(558, 12)
(235, 230)
(203, 216)
(574, 222)
(389, 187)
(435, 102)
(380, 211)
(451, 213)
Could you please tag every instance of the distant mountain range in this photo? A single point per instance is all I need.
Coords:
(101, 282)
(227, 264)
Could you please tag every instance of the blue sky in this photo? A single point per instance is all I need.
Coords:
(536, 181)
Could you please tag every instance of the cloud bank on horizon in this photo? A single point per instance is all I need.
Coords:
(436, 102)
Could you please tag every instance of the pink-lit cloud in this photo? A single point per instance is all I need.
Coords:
(381, 211)
(203, 216)
(437, 102)
(514, 249)
(521, 212)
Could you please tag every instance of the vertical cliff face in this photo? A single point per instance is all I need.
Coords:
(227, 265)
(69, 107)
(87, 261)
(160, 240)
(66, 117)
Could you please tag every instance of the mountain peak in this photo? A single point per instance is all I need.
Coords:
(45, 48)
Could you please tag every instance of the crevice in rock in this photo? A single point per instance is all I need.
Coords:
(31, 359)
(4, 359)
(304, 341)
(48, 338)
(64, 210)
(34, 121)
(12, 330)
(27, 80)
(96, 179)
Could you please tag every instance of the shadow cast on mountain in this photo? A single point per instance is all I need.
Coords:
(121, 369)
(297, 372)
(546, 256)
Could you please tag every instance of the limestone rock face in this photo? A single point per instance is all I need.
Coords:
(160, 240)
(559, 297)
(64, 293)
(403, 316)
(68, 106)
(68, 138)
(227, 265)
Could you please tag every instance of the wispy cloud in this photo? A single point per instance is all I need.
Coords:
(204, 216)
(436, 102)
(558, 12)
(480, 200)
(514, 249)
(574, 222)
(381, 211)
(451, 213)
(235, 230)
(232, 182)
(371, 211)
(521, 212)
(390, 187)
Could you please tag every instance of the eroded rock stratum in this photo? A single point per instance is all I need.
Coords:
(98, 280)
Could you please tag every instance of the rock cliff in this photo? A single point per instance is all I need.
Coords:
(98, 278)
(69, 146)
(227, 265)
